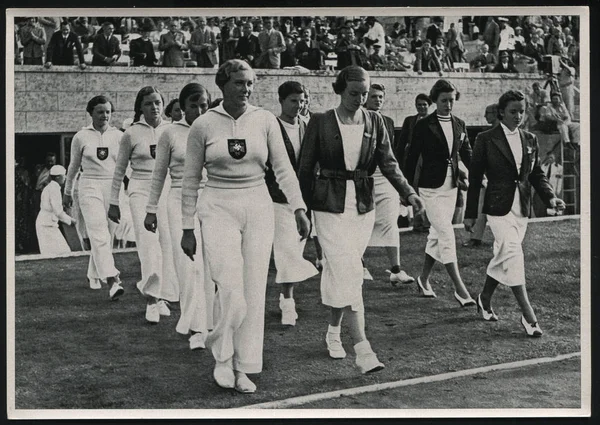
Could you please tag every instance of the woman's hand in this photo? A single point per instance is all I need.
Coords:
(469, 224)
(150, 222)
(302, 223)
(188, 243)
(558, 204)
(114, 213)
(417, 203)
(67, 201)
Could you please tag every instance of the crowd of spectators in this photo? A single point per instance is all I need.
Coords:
(432, 44)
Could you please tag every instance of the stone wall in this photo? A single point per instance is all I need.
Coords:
(54, 101)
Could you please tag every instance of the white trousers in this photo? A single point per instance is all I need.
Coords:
(237, 232)
(387, 209)
(440, 204)
(50, 240)
(155, 250)
(288, 249)
(94, 200)
(196, 288)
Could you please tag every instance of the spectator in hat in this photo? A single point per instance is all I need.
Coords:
(50, 239)
(375, 33)
(519, 40)
(203, 45)
(33, 39)
(504, 65)
(84, 30)
(61, 45)
(173, 45)
(107, 48)
(434, 31)
(375, 58)
(507, 38)
(141, 49)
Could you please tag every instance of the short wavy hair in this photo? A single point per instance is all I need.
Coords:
(99, 100)
(507, 97)
(442, 86)
(349, 73)
(137, 106)
(229, 67)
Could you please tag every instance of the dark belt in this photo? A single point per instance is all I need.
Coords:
(344, 174)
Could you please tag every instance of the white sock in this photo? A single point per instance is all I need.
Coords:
(363, 347)
(334, 329)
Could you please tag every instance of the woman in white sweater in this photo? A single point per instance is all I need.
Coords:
(197, 290)
(94, 151)
(233, 142)
(138, 149)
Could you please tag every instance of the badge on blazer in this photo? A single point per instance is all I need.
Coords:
(237, 148)
(153, 151)
(102, 153)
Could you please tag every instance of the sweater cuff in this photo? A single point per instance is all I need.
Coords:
(151, 209)
(188, 223)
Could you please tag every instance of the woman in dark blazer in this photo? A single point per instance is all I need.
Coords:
(440, 138)
(348, 143)
(509, 157)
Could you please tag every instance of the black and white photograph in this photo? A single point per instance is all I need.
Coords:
(336, 212)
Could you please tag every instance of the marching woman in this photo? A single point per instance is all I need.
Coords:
(233, 142)
(195, 295)
(387, 202)
(509, 158)
(138, 149)
(50, 239)
(94, 150)
(439, 139)
(288, 248)
(348, 142)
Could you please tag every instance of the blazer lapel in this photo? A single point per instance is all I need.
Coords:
(436, 129)
(501, 143)
(456, 133)
(526, 163)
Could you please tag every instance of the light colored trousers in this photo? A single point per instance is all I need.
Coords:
(440, 204)
(237, 232)
(155, 250)
(94, 200)
(50, 240)
(196, 288)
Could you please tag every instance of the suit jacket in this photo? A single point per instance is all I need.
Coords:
(428, 141)
(248, 46)
(403, 144)
(313, 59)
(323, 144)
(33, 39)
(274, 41)
(510, 69)
(391, 129)
(105, 48)
(556, 177)
(60, 52)
(492, 156)
(173, 54)
(276, 193)
(203, 45)
(137, 48)
(427, 61)
(491, 34)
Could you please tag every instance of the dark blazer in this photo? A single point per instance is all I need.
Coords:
(510, 69)
(137, 48)
(492, 156)
(403, 144)
(428, 141)
(248, 46)
(103, 49)
(60, 52)
(276, 193)
(391, 129)
(427, 61)
(322, 144)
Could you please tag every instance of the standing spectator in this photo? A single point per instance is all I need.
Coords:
(537, 101)
(534, 49)
(85, 31)
(50, 239)
(187, 27)
(555, 45)
(288, 57)
(434, 31)
(375, 33)
(288, 27)
(60, 48)
(172, 44)
(504, 65)
(248, 46)
(455, 45)
(33, 39)
(346, 49)
(203, 45)
(308, 53)
(141, 49)
(566, 82)
(519, 40)
(230, 35)
(272, 45)
(427, 59)
(107, 49)
(50, 24)
(491, 35)
(416, 43)
(443, 54)
(43, 178)
(507, 38)
(158, 32)
(396, 30)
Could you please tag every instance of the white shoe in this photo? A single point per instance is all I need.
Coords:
(319, 264)
(116, 290)
(152, 313)
(95, 284)
(288, 311)
(401, 277)
(334, 345)
(366, 359)
(223, 374)
(163, 308)
(367, 274)
(197, 341)
(243, 384)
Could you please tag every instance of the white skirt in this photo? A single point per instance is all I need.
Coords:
(50, 240)
(440, 204)
(288, 249)
(508, 264)
(344, 238)
(387, 209)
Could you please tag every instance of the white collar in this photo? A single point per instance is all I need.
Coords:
(507, 132)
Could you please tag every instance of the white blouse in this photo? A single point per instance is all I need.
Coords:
(352, 135)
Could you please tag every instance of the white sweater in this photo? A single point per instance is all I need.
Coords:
(208, 147)
(51, 208)
(87, 147)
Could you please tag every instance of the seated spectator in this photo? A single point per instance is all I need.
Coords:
(308, 53)
(172, 44)
(203, 45)
(141, 50)
(485, 61)
(61, 45)
(397, 31)
(558, 113)
(33, 39)
(534, 49)
(248, 47)
(401, 39)
(346, 48)
(519, 40)
(187, 27)
(555, 45)
(538, 99)
(427, 60)
(504, 65)
(404, 60)
(107, 48)
(443, 54)
(455, 45)
(377, 61)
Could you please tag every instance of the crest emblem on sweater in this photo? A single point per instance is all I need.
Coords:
(237, 148)
(153, 151)
(102, 153)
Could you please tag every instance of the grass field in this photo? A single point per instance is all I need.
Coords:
(74, 349)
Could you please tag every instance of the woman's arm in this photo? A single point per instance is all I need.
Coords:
(465, 148)
(309, 156)
(192, 174)
(125, 149)
(75, 164)
(161, 167)
(414, 151)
